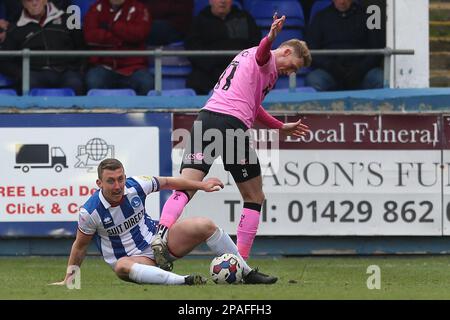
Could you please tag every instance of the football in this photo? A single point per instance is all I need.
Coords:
(226, 269)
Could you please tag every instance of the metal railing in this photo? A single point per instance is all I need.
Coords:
(158, 54)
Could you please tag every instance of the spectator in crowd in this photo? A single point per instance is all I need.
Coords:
(306, 6)
(3, 28)
(219, 26)
(42, 26)
(14, 8)
(118, 25)
(171, 20)
(343, 26)
(4, 24)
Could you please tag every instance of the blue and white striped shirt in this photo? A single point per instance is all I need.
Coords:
(124, 230)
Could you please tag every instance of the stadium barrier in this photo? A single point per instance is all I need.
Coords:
(158, 54)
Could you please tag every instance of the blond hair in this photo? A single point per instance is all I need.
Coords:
(300, 49)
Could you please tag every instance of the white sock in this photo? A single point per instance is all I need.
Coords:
(220, 243)
(141, 273)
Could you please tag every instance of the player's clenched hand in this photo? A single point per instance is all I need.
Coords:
(276, 27)
(296, 129)
(212, 184)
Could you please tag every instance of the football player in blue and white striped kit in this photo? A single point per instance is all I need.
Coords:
(115, 214)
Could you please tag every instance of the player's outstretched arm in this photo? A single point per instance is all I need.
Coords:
(296, 129)
(179, 183)
(77, 254)
(267, 119)
(276, 27)
(263, 51)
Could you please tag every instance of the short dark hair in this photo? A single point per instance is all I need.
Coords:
(108, 164)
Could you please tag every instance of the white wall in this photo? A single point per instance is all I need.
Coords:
(408, 28)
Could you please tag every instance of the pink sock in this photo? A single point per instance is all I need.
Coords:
(247, 231)
(173, 208)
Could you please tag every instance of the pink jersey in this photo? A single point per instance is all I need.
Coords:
(242, 87)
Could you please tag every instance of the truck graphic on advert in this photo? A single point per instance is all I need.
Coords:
(39, 156)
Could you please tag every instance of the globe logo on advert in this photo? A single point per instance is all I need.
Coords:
(97, 149)
(94, 151)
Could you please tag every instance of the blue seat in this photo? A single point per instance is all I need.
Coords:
(264, 10)
(111, 92)
(173, 82)
(175, 69)
(288, 34)
(173, 65)
(199, 5)
(173, 77)
(247, 4)
(4, 81)
(84, 6)
(174, 93)
(52, 92)
(317, 6)
(294, 25)
(8, 92)
(283, 82)
(304, 71)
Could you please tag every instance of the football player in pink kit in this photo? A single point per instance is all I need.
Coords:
(235, 105)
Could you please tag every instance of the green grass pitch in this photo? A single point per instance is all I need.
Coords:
(410, 277)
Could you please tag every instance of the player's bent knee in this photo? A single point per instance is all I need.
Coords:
(210, 227)
(122, 268)
(206, 225)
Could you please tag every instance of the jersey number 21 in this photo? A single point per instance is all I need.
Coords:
(226, 86)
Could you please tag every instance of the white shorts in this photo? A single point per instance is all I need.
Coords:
(148, 252)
